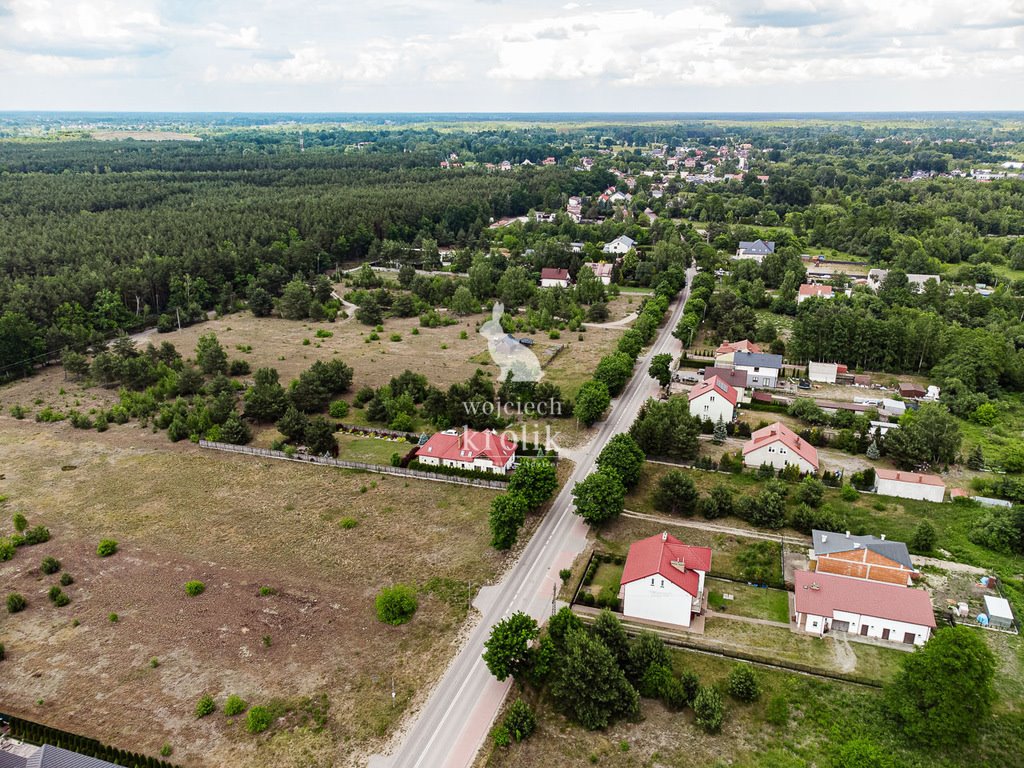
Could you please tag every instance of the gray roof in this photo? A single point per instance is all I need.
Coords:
(50, 756)
(756, 360)
(11, 760)
(729, 375)
(840, 542)
(758, 246)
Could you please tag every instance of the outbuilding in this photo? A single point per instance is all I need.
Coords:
(999, 613)
(822, 372)
(909, 485)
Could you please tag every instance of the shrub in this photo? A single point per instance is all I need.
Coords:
(16, 603)
(106, 548)
(520, 720)
(20, 522)
(54, 591)
(49, 565)
(3, 652)
(348, 523)
(205, 706)
(501, 736)
(235, 705)
(339, 409)
(565, 574)
(258, 720)
(707, 706)
(924, 538)
(194, 588)
(61, 600)
(848, 493)
(743, 685)
(396, 605)
(113, 618)
(38, 535)
(265, 591)
(166, 750)
(7, 549)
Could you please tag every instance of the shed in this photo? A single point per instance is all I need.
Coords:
(909, 390)
(823, 372)
(999, 613)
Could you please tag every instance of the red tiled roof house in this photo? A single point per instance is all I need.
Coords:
(909, 485)
(550, 277)
(778, 446)
(828, 603)
(483, 451)
(713, 399)
(663, 580)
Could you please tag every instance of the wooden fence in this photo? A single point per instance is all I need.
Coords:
(330, 461)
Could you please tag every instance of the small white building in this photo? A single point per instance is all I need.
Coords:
(620, 245)
(762, 370)
(909, 485)
(663, 580)
(916, 282)
(713, 399)
(780, 446)
(554, 278)
(825, 603)
(823, 372)
(1000, 615)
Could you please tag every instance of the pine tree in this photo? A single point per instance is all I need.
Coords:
(976, 459)
(720, 433)
(873, 453)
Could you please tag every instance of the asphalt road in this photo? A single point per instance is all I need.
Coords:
(453, 723)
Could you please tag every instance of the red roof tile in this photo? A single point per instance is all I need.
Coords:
(736, 346)
(667, 556)
(861, 596)
(469, 446)
(779, 432)
(716, 385)
(815, 290)
(909, 477)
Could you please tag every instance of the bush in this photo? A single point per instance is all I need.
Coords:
(7, 549)
(258, 720)
(339, 409)
(113, 618)
(235, 705)
(54, 591)
(3, 652)
(49, 565)
(38, 535)
(743, 685)
(16, 603)
(848, 493)
(205, 706)
(924, 539)
(707, 706)
(20, 522)
(520, 720)
(66, 579)
(106, 548)
(61, 600)
(396, 605)
(194, 588)
(166, 750)
(501, 737)
(348, 523)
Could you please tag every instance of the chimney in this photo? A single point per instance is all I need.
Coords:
(847, 534)
(664, 536)
(824, 538)
(882, 537)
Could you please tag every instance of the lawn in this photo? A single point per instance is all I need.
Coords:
(238, 525)
(371, 450)
(753, 602)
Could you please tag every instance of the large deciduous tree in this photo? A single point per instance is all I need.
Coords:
(507, 650)
(624, 457)
(599, 497)
(589, 684)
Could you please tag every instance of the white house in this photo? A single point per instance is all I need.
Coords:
(484, 451)
(713, 399)
(808, 291)
(909, 485)
(762, 369)
(602, 270)
(554, 278)
(823, 372)
(916, 281)
(621, 244)
(826, 603)
(779, 446)
(755, 250)
(663, 580)
(735, 379)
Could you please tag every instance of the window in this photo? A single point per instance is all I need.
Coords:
(662, 583)
(652, 582)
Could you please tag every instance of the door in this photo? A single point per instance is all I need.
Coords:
(864, 629)
(841, 626)
(885, 634)
(908, 638)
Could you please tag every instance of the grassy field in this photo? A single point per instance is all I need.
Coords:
(236, 524)
(821, 716)
(370, 450)
(753, 602)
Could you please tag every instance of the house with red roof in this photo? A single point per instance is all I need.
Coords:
(483, 451)
(713, 399)
(663, 580)
(778, 445)
(725, 351)
(813, 291)
(550, 277)
(826, 603)
(909, 485)
(602, 271)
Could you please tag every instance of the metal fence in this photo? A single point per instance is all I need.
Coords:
(330, 461)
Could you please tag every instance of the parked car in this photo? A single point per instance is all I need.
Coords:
(804, 384)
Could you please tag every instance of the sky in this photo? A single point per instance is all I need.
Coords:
(511, 55)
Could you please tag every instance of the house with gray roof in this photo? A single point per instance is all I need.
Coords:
(862, 557)
(755, 250)
(46, 756)
(763, 370)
